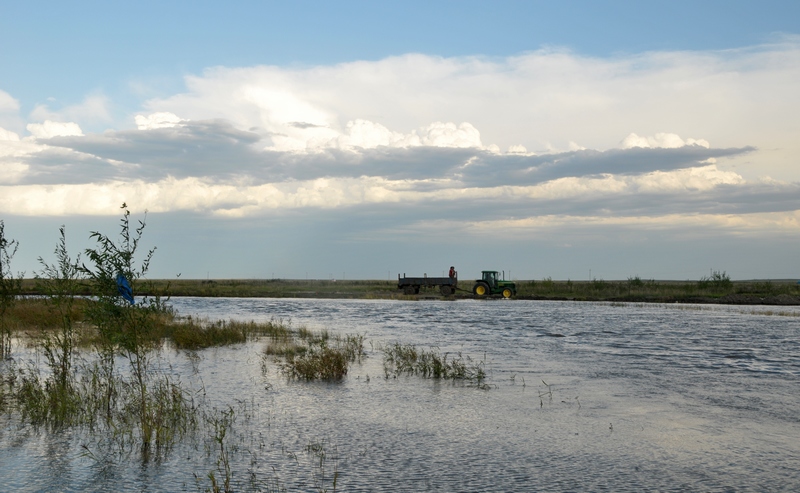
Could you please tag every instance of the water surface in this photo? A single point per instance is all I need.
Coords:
(583, 397)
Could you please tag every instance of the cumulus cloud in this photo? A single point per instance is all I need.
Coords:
(12, 172)
(661, 140)
(216, 149)
(416, 140)
(365, 134)
(546, 98)
(162, 119)
(49, 129)
(8, 135)
(684, 191)
(7, 103)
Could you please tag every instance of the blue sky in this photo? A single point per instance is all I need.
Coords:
(363, 139)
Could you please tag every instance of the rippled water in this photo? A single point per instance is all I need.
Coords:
(584, 397)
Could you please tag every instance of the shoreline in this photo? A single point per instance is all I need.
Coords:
(760, 292)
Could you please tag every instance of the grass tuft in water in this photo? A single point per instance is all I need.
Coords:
(309, 355)
(401, 359)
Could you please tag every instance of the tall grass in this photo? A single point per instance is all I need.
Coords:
(10, 287)
(311, 355)
(401, 359)
(195, 334)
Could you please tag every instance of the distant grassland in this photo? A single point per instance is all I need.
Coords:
(707, 290)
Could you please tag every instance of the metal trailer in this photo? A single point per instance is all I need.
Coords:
(412, 285)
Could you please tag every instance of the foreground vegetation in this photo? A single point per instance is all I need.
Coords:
(93, 339)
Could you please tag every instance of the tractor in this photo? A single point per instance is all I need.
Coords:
(490, 284)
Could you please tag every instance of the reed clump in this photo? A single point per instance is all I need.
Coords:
(309, 355)
(190, 333)
(401, 359)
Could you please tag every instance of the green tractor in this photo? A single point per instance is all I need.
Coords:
(490, 284)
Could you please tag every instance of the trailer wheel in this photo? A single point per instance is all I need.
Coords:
(409, 290)
(446, 290)
(480, 289)
(507, 293)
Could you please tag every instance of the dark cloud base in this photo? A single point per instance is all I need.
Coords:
(216, 150)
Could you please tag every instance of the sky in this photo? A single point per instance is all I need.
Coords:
(362, 140)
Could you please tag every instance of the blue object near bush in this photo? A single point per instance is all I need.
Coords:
(124, 288)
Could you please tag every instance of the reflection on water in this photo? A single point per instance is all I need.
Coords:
(584, 397)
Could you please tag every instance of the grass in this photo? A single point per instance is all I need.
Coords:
(401, 359)
(280, 288)
(717, 287)
(308, 355)
(192, 334)
(149, 412)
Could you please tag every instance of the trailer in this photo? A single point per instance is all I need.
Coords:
(412, 285)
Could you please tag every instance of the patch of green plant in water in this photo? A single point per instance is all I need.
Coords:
(190, 333)
(401, 359)
(309, 355)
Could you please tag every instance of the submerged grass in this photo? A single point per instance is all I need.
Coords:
(190, 333)
(308, 355)
(401, 359)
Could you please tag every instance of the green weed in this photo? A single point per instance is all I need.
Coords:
(408, 359)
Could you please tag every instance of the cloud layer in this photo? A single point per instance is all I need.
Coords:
(658, 140)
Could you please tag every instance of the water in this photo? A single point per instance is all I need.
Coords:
(584, 397)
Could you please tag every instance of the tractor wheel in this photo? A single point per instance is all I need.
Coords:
(507, 293)
(481, 289)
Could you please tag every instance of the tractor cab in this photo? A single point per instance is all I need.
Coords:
(490, 277)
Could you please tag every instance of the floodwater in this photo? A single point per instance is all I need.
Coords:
(582, 397)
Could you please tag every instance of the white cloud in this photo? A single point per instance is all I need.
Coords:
(163, 119)
(12, 172)
(8, 135)
(661, 140)
(704, 178)
(14, 152)
(200, 195)
(440, 134)
(264, 141)
(545, 101)
(369, 135)
(49, 129)
(751, 224)
(7, 103)
(365, 134)
(93, 108)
